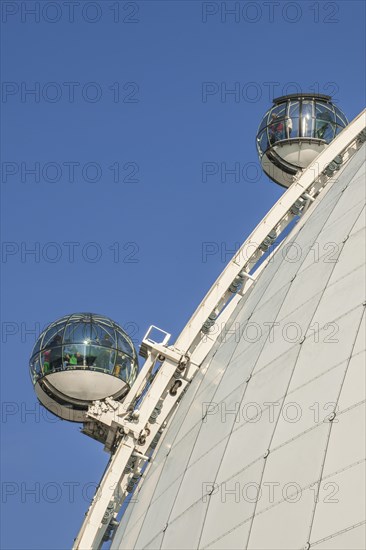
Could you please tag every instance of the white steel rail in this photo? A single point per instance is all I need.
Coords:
(135, 430)
(304, 184)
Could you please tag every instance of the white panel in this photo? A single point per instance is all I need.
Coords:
(309, 405)
(247, 444)
(155, 544)
(264, 280)
(234, 540)
(354, 194)
(299, 463)
(267, 388)
(286, 270)
(327, 213)
(157, 515)
(309, 252)
(286, 358)
(123, 525)
(357, 164)
(360, 223)
(354, 190)
(320, 210)
(327, 348)
(129, 538)
(172, 433)
(294, 326)
(354, 386)
(351, 200)
(311, 224)
(328, 244)
(283, 526)
(185, 531)
(353, 538)
(352, 256)
(256, 328)
(194, 414)
(289, 332)
(218, 423)
(226, 345)
(307, 284)
(270, 380)
(213, 376)
(177, 460)
(318, 216)
(198, 477)
(360, 344)
(341, 503)
(342, 296)
(347, 440)
(239, 369)
(270, 304)
(231, 504)
(145, 489)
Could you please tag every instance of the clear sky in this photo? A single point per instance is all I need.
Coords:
(114, 172)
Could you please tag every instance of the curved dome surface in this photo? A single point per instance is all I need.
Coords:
(267, 448)
(80, 358)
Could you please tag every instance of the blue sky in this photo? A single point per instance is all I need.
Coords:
(131, 101)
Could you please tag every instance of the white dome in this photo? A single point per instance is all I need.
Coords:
(267, 447)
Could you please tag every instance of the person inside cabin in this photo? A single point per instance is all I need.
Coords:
(55, 357)
(104, 355)
(322, 124)
(276, 129)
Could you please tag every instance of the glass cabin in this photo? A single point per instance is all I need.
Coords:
(294, 131)
(81, 358)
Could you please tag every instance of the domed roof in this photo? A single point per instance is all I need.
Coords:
(253, 451)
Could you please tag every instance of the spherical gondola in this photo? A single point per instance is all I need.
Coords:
(81, 358)
(294, 131)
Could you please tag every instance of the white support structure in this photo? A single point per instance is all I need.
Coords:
(134, 426)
